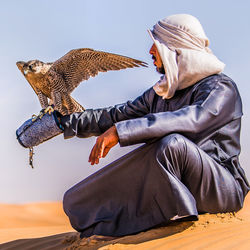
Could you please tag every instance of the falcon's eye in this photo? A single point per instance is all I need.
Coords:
(30, 67)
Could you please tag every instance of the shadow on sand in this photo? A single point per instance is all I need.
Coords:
(72, 240)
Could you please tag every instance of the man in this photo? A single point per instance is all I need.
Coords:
(190, 124)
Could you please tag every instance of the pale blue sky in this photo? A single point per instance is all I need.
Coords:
(47, 29)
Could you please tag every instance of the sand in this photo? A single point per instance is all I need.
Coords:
(45, 226)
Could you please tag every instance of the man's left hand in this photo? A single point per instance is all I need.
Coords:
(103, 144)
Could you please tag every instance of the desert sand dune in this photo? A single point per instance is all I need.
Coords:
(45, 226)
(32, 220)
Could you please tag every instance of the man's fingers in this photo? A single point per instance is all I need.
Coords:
(105, 152)
(97, 151)
(100, 150)
(91, 156)
(103, 144)
(94, 153)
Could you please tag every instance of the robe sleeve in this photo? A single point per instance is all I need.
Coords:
(93, 122)
(210, 109)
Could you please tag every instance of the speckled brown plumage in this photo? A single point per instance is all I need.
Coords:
(57, 80)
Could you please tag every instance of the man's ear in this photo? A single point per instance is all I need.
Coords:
(206, 42)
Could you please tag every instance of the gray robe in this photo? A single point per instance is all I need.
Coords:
(188, 165)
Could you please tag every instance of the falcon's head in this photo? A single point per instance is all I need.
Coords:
(33, 67)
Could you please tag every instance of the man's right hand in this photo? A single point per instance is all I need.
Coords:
(103, 144)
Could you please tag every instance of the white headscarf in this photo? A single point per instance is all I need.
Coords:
(183, 48)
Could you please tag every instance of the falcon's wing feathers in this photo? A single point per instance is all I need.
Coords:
(79, 64)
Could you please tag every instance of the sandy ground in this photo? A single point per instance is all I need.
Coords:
(32, 220)
(44, 226)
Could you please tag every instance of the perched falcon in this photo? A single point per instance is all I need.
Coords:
(57, 80)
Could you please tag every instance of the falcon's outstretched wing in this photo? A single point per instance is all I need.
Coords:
(79, 64)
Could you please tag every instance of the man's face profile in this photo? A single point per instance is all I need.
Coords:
(157, 59)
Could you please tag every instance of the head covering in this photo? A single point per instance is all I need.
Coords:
(183, 48)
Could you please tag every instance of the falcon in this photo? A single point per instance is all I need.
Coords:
(56, 81)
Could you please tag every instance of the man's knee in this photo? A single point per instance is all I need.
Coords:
(173, 143)
(67, 202)
(171, 153)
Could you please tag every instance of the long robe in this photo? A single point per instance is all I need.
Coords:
(189, 163)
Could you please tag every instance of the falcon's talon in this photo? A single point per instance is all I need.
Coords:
(34, 117)
(49, 110)
(41, 114)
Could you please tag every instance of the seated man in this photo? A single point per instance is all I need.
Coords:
(190, 124)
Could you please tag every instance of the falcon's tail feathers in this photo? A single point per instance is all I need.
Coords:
(77, 106)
